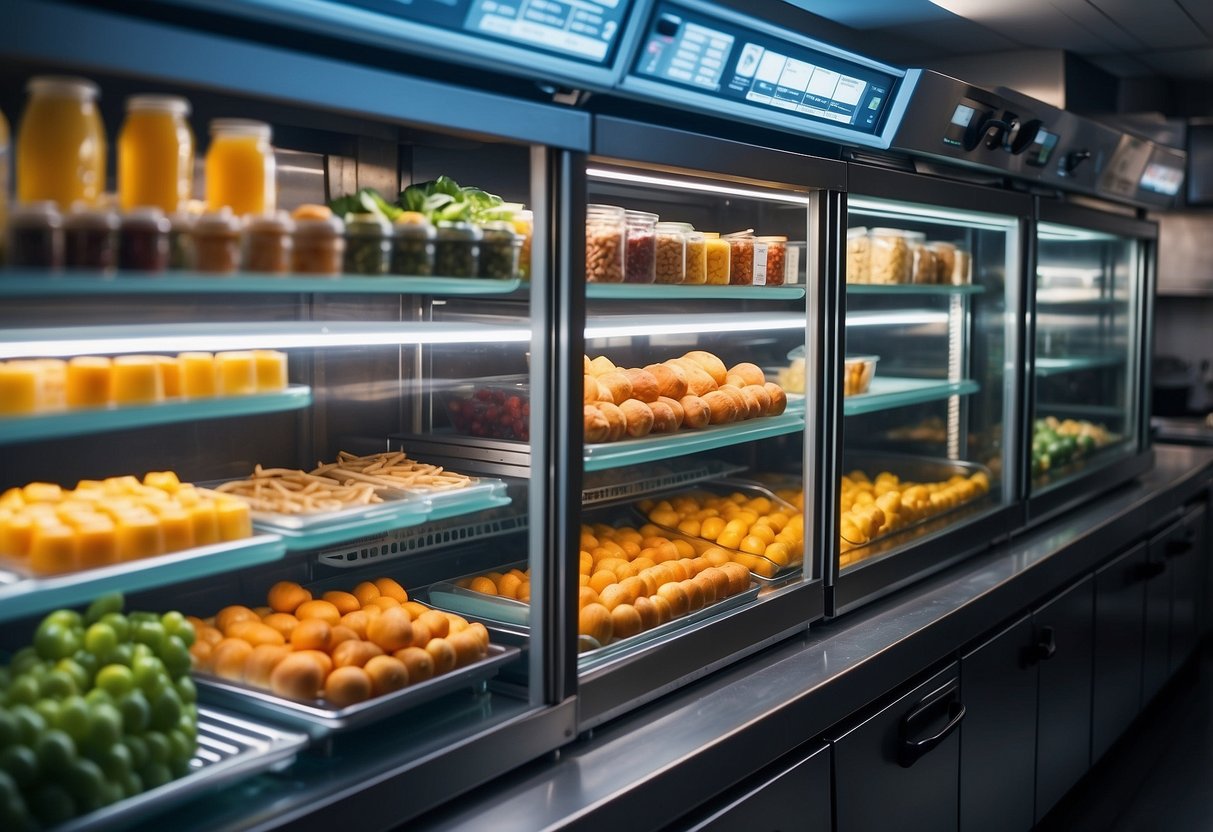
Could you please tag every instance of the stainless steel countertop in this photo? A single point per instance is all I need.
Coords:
(648, 768)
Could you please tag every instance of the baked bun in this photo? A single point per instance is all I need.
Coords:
(618, 384)
(739, 401)
(604, 392)
(723, 410)
(749, 373)
(601, 365)
(596, 427)
(644, 386)
(588, 371)
(664, 419)
(713, 365)
(754, 406)
(617, 424)
(589, 393)
(759, 392)
(698, 380)
(779, 399)
(671, 379)
(695, 412)
(676, 406)
(639, 417)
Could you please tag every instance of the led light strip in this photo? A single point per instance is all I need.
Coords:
(1062, 233)
(888, 210)
(895, 318)
(687, 185)
(602, 328)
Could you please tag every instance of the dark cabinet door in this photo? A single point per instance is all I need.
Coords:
(796, 799)
(1119, 610)
(898, 767)
(998, 736)
(1064, 635)
(1156, 633)
(1188, 553)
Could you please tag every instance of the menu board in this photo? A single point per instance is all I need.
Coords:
(737, 64)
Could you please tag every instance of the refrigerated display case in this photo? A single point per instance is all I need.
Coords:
(1092, 311)
(929, 396)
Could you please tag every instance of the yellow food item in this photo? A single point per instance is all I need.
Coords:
(136, 380)
(19, 385)
(235, 373)
(234, 518)
(270, 368)
(197, 375)
(88, 381)
(170, 374)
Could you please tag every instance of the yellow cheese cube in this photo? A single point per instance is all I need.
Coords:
(136, 380)
(236, 373)
(88, 381)
(15, 533)
(177, 527)
(52, 549)
(121, 486)
(42, 492)
(206, 523)
(170, 374)
(12, 498)
(96, 543)
(163, 480)
(235, 520)
(197, 374)
(186, 495)
(271, 370)
(138, 536)
(19, 384)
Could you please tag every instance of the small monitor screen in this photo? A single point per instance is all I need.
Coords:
(1041, 148)
(1162, 179)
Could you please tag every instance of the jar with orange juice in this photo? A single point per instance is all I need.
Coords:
(155, 154)
(61, 143)
(240, 167)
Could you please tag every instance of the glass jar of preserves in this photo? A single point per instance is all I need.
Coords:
(889, 257)
(217, 242)
(268, 243)
(90, 239)
(155, 154)
(240, 167)
(368, 244)
(741, 258)
(640, 264)
(718, 255)
(524, 226)
(143, 240)
(319, 242)
(696, 257)
(61, 143)
(413, 245)
(776, 259)
(35, 236)
(457, 250)
(671, 251)
(605, 230)
(499, 250)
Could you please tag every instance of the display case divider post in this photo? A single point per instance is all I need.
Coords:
(826, 286)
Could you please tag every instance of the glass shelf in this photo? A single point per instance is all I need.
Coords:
(22, 595)
(27, 283)
(1057, 366)
(658, 291)
(100, 420)
(913, 289)
(888, 392)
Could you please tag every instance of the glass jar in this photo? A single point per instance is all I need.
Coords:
(217, 242)
(524, 226)
(696, 258)
(143, 240)
(268, 243)
(181, 241)
(605, 230)
(890, 260)
(155, 154)
(499, 250)
(413, 245)
(671, 251)
(718, 255)
(859, 256)
(457, 250)
(35, 236)
(776, 259)
(90, 239)
(640, 264)
(319, 245)
(240, 167)
(61, 143)
(368, 244)
(741, 258)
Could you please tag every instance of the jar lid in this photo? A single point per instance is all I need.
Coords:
(675, 226)
(146, 217)
(891, 232)
(222, 221)
(367, 224)
(414, 225)
(83, 217)
(710, 235)
(318, 227)
(641, 216)
(748, 234)
(311, 211)
(241, 127)
(859, 231)
(63, 86)
(35, 213)
(173, 104)
(772, 239)
(499, 227)
(599, 209)
(278, 221)
(458, 229)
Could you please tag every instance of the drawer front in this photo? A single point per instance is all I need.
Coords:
(1119, 616)
(796, 799)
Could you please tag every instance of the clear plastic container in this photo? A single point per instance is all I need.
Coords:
(717, 256)
(35, 236)
(923, 264)
(671, 251)
(605, 232)
(61, 149)
(696, 258)
(217, 242)
(858, 374)
(413, 245)
(240, 167)
(796, 256)
(319, 244)
(368, 244)
(859, 255)
(962, 269)
(792, 377)
(945, 260)
(641, 261)
(181, 241)
(741, 258)
(268, 243)
(890, 257)
(499, 250)
(143, 240)
(90, 239)
(155, 154)
(457, 250)
(497, 407)
(524, 226)
(776, 259)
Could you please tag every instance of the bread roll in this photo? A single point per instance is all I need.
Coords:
(750, 373)
(723, 410)
(589, 393)
(739, 401)
(601, 365)
(664, 419)
(644, 386)
(588, 370)
(698, 380)
(617, 424)
(604, 392)
(759, 392)
(639, 417)
(695, 412)
(671, 379)
(779, 399)
(710, 363)
(596, 427)
(618, 384)
(676, 406)
(754, 406)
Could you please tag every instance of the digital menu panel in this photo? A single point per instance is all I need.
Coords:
(1162, 179)
(739, 65)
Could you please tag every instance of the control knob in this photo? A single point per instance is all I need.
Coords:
(1072, 160)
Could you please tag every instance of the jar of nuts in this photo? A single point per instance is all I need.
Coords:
(741, 258)
(605, 229)
(717, 255)
(640, 264)
(890, 257)
(697, 258)
(859, 249)
(671, 251)
(777, 259)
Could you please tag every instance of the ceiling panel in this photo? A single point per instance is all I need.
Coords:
(948, 37)
(1038, 23)
(1161, 24)
(1182, 63)
(1122, 65)
(1100, 25)
(1200, 11)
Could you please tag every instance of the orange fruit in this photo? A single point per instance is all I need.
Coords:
(391, 589)
(228, 616)
(385, 602)
(323, 610)
(694, 593)
(647, 611)
(228, 658)
(347, 686)
(414, 609)
(524, 591)
(437, 623)
(366, 592)
(262, 611)
(343, 601)
(601, 579)
(442, 654)
(421, 635)
(312, 634)
(356, 653)
(467, 647)
(372, 611)
(625, 621)
(507, 587)
(676, 597)
(197, 622)
(200, 652)
(261, 663)
(586, 596)
(297, 676)
(342, 633)
(283, 622)
(255, 633)
(387, 674)
(483, 585)
(418, 662)
(286, 596)
(356, 621)
(594, 621)
(392, 630)
(209, 634)
(323, 660)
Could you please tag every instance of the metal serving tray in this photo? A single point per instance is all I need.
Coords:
(319, 721)
(229, 748)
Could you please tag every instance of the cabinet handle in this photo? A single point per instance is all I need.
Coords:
(1046, 643)
(1180, 546)
(944, 700)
